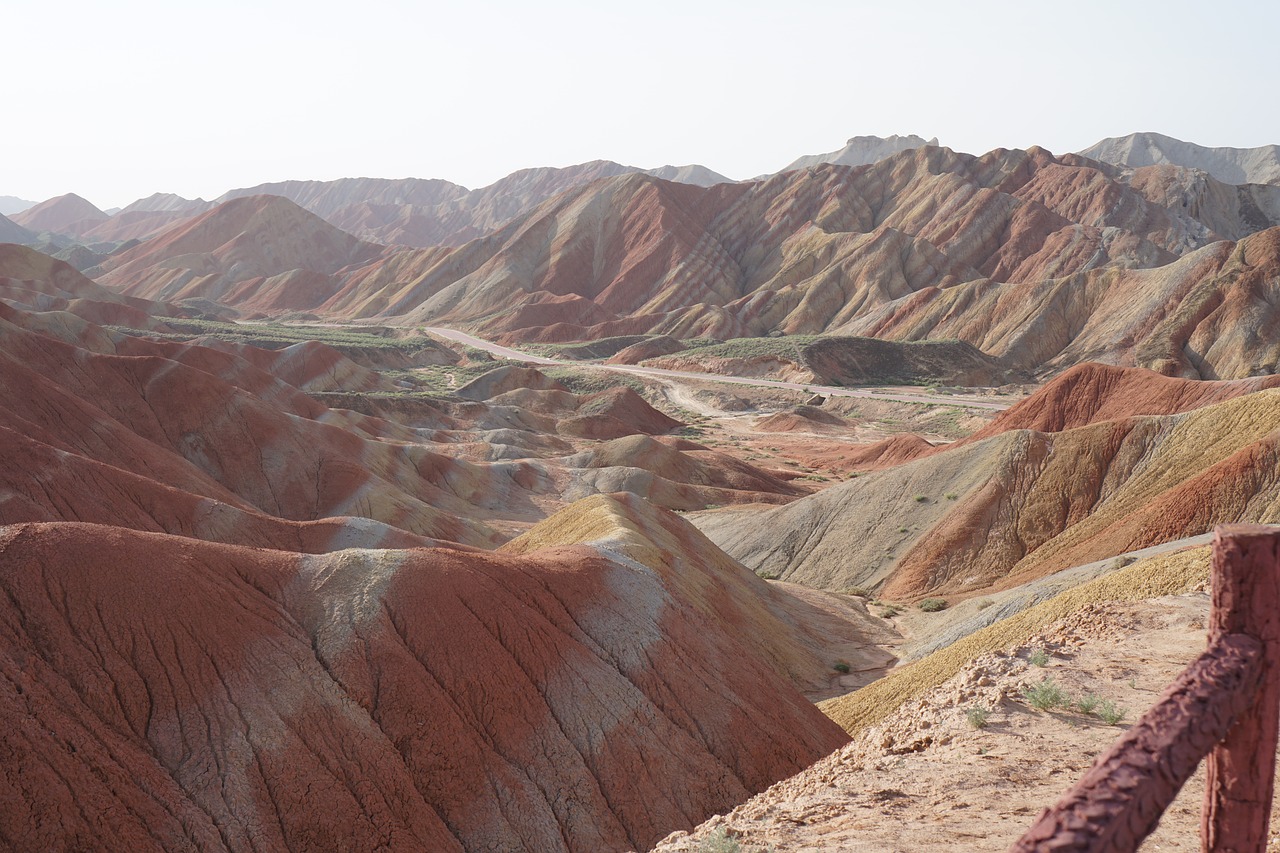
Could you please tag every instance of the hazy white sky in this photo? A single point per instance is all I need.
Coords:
(118, 100)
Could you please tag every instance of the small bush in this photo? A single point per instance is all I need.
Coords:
(977, 717)
(921, 498)
(860, 592)
(1039, 658)
(902, 530)
(1045, 696)
(890, 610)
(842, 668)
(933, 605)
(1109, 713)
(952, 496)
(985, 603)
(1088, 704)
(719, 841)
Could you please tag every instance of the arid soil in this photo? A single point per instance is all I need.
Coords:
(928, 778)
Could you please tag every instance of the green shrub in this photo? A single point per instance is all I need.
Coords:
(1088, 704)
(933, 605)
(1045, 696)
(842, 668)
(1109, 713)
(1039, 657)
(977, 717)
(719, 841)
(921, 498)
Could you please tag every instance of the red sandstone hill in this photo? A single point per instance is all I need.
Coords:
(1090, 393)
(170, 692)
(67, 214)
(228, 424)
(255, 253)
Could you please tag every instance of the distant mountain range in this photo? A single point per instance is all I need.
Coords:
(423, 212)
(420, 212)
(1042, 260)
(12, 204)
(861, 151)
(1259, 165)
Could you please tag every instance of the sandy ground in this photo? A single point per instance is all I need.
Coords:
(928, 779)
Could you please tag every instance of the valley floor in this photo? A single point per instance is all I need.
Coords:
(928, 779)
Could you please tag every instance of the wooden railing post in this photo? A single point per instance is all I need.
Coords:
(1241, 769)
(1225, 707)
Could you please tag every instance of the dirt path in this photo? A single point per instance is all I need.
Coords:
(897, 395)
(929, 780)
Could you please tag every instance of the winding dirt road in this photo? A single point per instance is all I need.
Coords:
(967, 402)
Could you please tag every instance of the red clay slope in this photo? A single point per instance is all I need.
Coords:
(163, 693)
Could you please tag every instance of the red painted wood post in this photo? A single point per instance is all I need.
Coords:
(1241, 769)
